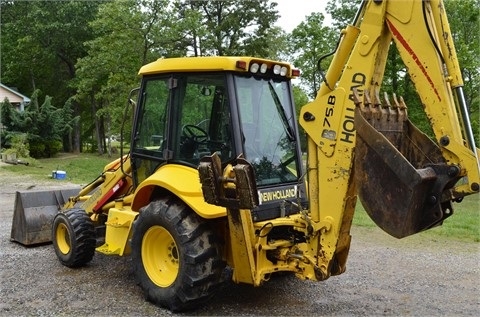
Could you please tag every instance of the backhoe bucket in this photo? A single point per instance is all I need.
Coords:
(400, 173)
(34, 212)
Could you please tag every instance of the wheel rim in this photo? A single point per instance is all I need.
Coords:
(63, 238)
(160, 256)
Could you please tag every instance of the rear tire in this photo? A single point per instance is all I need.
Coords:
(73, 236)
(176, 256)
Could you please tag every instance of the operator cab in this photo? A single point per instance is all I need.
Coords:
(185, 115)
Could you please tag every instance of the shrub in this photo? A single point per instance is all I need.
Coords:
(19, 145)
(52, 147)
(37, 149)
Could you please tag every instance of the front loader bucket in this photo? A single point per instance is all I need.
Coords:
(400, 173)
(34, 212)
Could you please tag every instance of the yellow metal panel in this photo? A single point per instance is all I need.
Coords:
(329, 164)
(403, 12)
(118, 231)
(206, 63)
(185, 183)
(242, 242)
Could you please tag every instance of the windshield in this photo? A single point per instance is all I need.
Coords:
(266, 116)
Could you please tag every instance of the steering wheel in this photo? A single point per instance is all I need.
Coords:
(195, 133)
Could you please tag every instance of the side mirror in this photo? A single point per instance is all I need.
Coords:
(206, 91)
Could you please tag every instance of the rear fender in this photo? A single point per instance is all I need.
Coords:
(182, 182)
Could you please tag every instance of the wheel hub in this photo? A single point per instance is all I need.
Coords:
(63, 238)
(160, 256)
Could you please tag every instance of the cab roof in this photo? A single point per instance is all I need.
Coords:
(239, 64)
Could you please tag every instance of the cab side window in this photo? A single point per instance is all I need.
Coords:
(204, 118)
(151, 133)
(149, 144)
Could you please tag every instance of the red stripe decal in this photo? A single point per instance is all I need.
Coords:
(414, 56)
(108, 195)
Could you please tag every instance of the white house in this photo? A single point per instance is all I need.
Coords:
(14, 97)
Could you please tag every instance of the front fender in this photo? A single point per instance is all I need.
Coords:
(183, 182)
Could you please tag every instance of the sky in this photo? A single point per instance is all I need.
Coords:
(293, 12)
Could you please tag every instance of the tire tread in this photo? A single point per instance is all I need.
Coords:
(203, 265)
(83, 239)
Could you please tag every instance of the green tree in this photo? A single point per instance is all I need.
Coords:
(342, 12)
(128, 34)
(231, 27)
(10, 121)
(41, 42)
(8, 114)
(44, 125)
(310, 40)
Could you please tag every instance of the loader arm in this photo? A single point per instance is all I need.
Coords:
(360, 143)
(35, 210)
(99, 195)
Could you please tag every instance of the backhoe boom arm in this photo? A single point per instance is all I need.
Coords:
(361, 143)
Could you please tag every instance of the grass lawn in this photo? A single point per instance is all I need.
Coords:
(81, 169)
(463, 225)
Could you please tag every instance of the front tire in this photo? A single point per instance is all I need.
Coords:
(73, 236)
(176, 255)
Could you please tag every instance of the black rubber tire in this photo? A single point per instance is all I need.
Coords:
(73, 236)
(198, 266)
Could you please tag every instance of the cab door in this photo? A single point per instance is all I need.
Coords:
(150, 138)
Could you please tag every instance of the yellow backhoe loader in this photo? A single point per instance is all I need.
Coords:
(215, 177)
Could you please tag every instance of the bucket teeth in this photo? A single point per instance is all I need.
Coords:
(400, 108)
(387, 115)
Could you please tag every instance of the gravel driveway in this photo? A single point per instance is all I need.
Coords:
(416, 276)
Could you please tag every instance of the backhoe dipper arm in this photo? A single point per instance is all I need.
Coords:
(359, 143)
(429, 53)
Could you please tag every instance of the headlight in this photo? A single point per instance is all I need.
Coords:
(254, 67)
(263, 68)
(276, 69)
